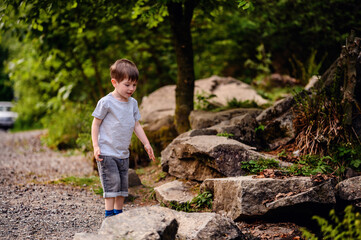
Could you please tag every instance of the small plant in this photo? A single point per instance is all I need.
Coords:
(234, 103)
(259, 128)
(140, 171)
(225, 134)
(348, 228)
(311, 165)
(282, 154)
(201, 202)
(162, 175)
(202, 101)
(255, 167)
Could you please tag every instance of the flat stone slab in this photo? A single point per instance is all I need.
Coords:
(174, 191)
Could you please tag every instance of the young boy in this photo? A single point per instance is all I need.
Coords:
(116, 116)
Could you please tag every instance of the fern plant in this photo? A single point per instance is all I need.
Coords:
(347, 228)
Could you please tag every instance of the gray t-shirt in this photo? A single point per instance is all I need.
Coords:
(117, 127)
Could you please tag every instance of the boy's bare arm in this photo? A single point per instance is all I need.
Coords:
(95, 133)
(143, 138)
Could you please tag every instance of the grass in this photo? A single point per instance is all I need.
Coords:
(91, 183)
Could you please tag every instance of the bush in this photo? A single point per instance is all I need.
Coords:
(66, 125)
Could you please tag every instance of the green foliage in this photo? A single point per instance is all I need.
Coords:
(60, 52)
(259, 128)
(311, 165)
(225, 134)
(342, 157)
(234, 103)
(254, 167)
(202, 101)
(244, 4)
(201, 202)
(162, 175)
(64, 127)
(304, 71)
(262, 64)
(347, 228)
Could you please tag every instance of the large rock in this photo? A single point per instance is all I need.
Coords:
(206, 156)
(203, 225)
(161, 103)
(174, 191)
(244, 197)
(138, 223)
(350, 189)
(227, 89)
(162, 223)
(241, 128)
(278, 124)
(204, 119)
(276, 110)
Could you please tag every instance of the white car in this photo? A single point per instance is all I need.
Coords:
(7, 117)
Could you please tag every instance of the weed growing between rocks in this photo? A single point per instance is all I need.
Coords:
(347, 228)
(326, 121)
(258, 166)
(201, 203)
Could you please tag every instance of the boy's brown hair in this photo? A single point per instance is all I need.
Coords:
(124, 68)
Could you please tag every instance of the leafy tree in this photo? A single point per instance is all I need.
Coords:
(180, 15)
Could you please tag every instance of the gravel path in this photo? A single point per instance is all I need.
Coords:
(31, 210)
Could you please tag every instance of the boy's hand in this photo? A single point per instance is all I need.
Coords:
(97, 153)
(150, 152)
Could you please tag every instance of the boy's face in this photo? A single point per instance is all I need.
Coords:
(124, 89)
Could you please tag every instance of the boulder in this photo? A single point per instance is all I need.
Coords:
(174, 191)
(349, 189)
(203, 225)
(162, 223)
(278, 124)
(133, 178)
(241, 128)
(277, 132)
(246, 196)
(203, 119)
(276, 110)
(201, 157)
(227, 89)
(137, 223)
(161, 103)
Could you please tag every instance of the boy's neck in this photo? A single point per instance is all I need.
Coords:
(117, 96)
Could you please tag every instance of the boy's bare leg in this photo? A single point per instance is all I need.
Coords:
(109, 203)
(119, 202)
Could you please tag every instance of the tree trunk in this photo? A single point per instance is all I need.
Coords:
(180, 17)
(350, 53)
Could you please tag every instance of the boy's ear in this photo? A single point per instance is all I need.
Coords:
(114, 82)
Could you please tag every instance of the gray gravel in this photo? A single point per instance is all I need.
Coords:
(30, 209)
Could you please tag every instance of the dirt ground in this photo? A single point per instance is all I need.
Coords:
(33, 208)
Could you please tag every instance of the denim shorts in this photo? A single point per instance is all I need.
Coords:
(113, 173)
